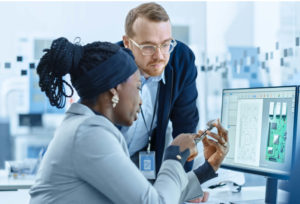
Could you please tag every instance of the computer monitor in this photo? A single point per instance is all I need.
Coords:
(261, 124)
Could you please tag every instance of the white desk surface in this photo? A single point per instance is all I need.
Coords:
(15, 197)
(249, 195)
(15, 184)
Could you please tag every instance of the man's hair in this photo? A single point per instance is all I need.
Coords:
(151, 11)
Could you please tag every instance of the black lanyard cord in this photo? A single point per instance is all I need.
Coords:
(154, 113)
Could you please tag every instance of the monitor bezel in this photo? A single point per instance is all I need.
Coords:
(270, 174)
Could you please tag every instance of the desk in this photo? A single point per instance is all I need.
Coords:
(15, 184)
(249, 195)
(15, 197)
(15, 190)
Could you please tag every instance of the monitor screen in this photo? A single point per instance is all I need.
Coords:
(261, 124)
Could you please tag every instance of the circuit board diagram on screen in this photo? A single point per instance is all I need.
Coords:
(276, 143)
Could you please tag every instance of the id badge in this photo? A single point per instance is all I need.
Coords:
(147, 164)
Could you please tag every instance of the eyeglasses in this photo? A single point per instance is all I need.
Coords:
(165, 48)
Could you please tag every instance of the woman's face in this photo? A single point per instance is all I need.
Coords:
(129, 104)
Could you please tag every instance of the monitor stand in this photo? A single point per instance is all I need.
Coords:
(271, 191)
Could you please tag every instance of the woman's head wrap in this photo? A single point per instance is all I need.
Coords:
(94, 68)
(106, 75)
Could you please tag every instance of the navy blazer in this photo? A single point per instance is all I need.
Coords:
(177, 99)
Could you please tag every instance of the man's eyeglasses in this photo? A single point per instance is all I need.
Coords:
(165, 48)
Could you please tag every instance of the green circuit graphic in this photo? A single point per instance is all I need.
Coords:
(276, 143)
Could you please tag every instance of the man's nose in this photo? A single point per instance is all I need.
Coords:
(158, 54)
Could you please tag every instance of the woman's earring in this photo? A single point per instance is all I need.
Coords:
(115, 100)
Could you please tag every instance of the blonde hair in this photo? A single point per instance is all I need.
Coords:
(152, 11)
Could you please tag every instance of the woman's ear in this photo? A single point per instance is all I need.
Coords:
(115, 97)
(116, 90)
(113, 91)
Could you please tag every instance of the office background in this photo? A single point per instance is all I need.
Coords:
(236, 44)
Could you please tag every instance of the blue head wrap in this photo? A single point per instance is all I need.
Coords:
(106, 75)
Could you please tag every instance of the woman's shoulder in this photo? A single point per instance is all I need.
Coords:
(86, 124)
(100, 126)
(99, 131)
(82, 116)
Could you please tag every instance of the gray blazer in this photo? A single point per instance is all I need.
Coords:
(87, 162)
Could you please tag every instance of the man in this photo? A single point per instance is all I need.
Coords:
(168, 84)
(168, 81)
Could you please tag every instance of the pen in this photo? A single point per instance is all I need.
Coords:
(210, 126)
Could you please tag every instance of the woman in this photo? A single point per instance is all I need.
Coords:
(87, 161)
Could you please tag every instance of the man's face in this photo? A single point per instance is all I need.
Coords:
(150, 33)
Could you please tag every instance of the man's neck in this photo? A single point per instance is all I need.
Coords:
(146, 76)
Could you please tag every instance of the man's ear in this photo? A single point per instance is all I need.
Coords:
(126, 41)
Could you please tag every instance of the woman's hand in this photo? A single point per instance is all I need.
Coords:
(215, 151)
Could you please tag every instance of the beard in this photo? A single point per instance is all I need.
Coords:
(155, 68)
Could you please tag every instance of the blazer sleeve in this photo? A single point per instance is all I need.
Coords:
(193, 189)
(184, 113)
(100, 160)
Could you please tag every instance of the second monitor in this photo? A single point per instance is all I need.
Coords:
(261, 125)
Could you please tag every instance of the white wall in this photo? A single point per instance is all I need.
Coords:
(91, 21)
(229, 24)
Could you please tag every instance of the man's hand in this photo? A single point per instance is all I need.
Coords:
(215, 151)
(187, 141)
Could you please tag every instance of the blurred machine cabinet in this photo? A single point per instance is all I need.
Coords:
(5, 142)
(28, 145)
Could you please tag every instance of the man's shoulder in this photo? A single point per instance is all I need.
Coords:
(182, 57)
(120, 43)
(181, 45)
(181, 54)
(182, 48)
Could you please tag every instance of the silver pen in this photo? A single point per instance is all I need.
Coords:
(209, 127)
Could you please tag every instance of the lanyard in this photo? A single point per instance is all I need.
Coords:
(154, 113)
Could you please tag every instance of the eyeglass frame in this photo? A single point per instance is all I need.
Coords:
(155, 46)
